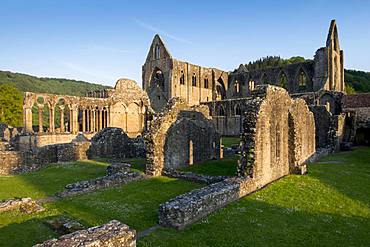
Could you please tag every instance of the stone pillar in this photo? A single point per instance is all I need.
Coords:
(51, 119)
(87, 120)
(140, 122)
(74, 120)
(27, 119)
(191, 155)
(108, 117)
(93, 120)
(101, 119)
(61, 110)
(39, 109)
(83, 120)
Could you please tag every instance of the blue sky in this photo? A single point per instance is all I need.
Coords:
(103, 40)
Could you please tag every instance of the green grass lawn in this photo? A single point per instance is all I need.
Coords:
(135, 204)
(330, 206)
(49, 180)
(230, 141)
(224, 167)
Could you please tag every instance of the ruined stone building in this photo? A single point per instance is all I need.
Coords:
(224, 92)
(123, 107)
(180, 136)
(278, 138)
(165, 77)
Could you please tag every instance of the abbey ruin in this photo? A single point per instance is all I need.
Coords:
(285, 116)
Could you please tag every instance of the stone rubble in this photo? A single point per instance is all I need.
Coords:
(63, 225)
(24, 205)
(114, 233)
(116, 179)
(193, 177)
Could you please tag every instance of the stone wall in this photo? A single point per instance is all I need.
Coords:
(165, 77)
(325, 127)
(24, 205)
(12, 162)
(278, 138)
(180, 135)
(123, 107)
(24, 142)
(115, 143)
(114, 233)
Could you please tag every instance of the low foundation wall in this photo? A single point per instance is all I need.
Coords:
(190, 207)
(9, 161)
(113, 233)
(12, 162)
(27, 142)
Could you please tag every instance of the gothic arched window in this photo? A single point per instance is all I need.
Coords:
(157, 52)
(194, 80)
(302, 79)
(283, 80)
(182, 77)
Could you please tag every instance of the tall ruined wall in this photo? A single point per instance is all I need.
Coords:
(278, 137)
(272, 76)
(165, 77)
(180, 135)
(302, 133)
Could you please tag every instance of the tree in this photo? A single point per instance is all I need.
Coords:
(10, 105)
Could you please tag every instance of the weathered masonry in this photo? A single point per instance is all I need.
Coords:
(357, 123)
(165, 77)
(324, 74)
(278, 137)
(180, 135)
(123, 107)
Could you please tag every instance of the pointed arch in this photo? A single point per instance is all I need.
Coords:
(221, 111)
(283, 79)
(302, 78)
(157, 78)
(220, 89)
(194, 80)
(264, 79)
(333, 36)
(237, 110)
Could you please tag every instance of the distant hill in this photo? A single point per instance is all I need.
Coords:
(358, 80)
(28, 83)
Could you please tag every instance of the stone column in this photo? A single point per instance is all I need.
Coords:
(87, 120)
(74, 120)
(27, 119)
(51, 119)
(39, 109)
(101, 119)
(108, 117)
(93, 112)
(191, 155)
(83, 120)
(61, 110)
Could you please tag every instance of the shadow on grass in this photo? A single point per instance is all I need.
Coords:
(348, 172)
(49, 180)
(135, 204)
(250, 222)
(224, 167)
